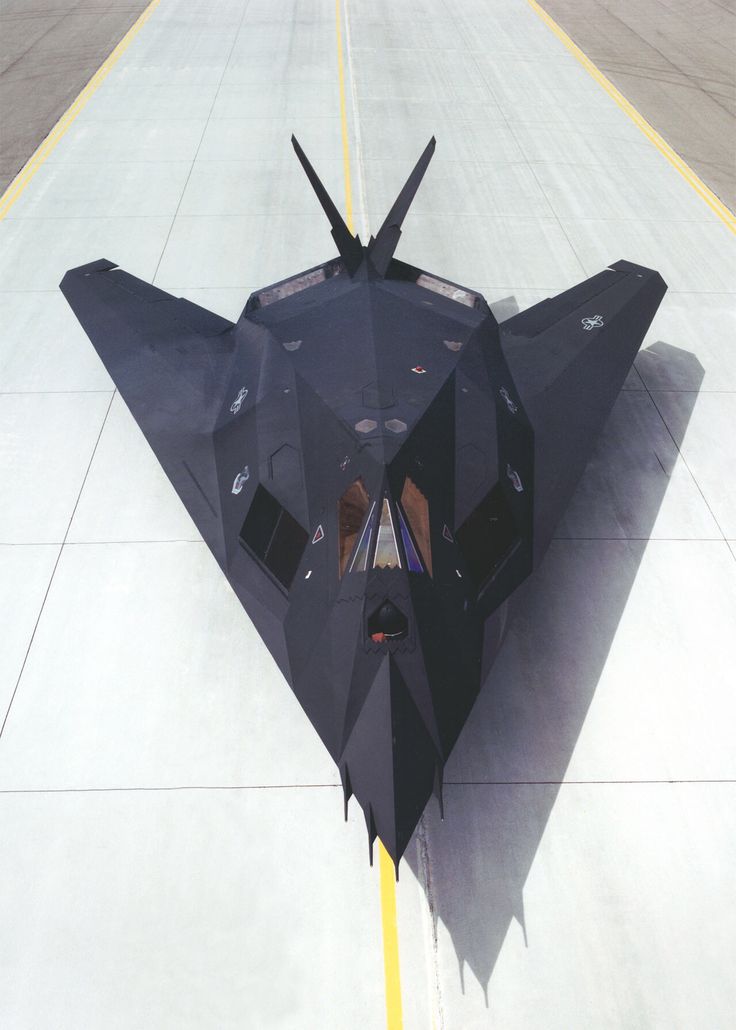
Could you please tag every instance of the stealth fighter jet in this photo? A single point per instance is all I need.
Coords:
(376, 465)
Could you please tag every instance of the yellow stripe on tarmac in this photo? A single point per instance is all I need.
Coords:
(389, 924)
(24, 176)
(344, 122)
(394, 1020)
(717, 206)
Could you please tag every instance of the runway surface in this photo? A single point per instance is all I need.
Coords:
(675, 60)
(173, 852)
(48, 51)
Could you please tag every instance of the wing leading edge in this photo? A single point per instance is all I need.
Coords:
(569, 357)
(170, 361)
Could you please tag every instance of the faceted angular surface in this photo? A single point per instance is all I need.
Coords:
(385, 604)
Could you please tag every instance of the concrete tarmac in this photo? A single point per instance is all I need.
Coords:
(48, 52)
(173, 853)
(675, 60)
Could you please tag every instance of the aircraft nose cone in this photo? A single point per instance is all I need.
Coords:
(390, 761)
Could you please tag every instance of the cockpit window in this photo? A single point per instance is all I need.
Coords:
(413, 561)
(387, 551)
(273, 536)
(416, 509)
(487, 537)
(379, 546)
(360, 561)
(352, 509)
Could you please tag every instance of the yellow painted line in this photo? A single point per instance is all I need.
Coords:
(717, 206)
(344, 121)
(389, 923)
(24, 176)
(394, 1020)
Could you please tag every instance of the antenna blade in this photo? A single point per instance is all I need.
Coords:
(384, 245)
(348, 245)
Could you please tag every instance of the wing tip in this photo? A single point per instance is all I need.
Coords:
(91, 268)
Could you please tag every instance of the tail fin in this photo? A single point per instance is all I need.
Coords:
(349, 246)
(381, 250)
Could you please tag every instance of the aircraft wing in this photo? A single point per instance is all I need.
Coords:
(171, 362)
(569, 357)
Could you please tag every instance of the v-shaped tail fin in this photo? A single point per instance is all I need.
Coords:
(349, 246)
(381, 250)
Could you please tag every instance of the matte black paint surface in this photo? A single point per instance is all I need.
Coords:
(354, 371)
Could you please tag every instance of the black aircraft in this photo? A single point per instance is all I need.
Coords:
(376, 465)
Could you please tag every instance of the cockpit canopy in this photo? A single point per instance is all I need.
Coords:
(388, 535)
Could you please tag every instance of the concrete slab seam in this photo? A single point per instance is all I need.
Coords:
(553, 214)
(199, 145)
(56, 565)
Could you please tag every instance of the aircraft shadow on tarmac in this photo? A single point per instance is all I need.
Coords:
(520, 737)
